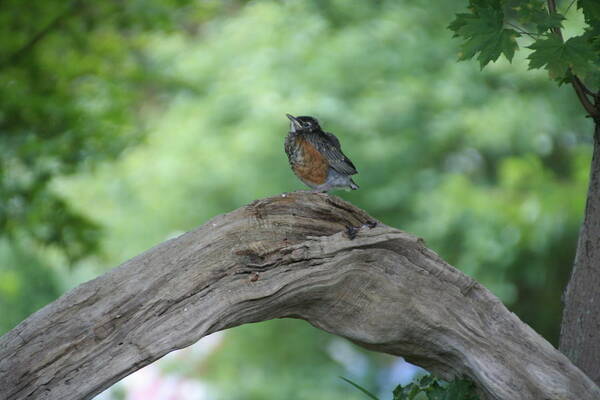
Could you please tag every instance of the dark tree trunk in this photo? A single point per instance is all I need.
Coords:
(580, 330)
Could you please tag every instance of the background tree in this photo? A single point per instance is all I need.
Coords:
(491, 29)
(490, 168)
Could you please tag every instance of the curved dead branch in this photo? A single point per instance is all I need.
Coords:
(286, 256)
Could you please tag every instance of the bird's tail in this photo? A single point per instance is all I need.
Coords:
(353, 185)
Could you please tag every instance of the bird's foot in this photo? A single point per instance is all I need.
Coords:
(370, 224)
(317, 191)
(302, 191)
(352, 231)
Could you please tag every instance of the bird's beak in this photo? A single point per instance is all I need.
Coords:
(295, 123)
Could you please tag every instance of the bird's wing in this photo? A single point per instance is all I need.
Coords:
(328, 145)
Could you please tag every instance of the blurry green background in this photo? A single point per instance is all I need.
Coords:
(124, 123)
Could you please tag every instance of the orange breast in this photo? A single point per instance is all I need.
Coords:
(312, 167)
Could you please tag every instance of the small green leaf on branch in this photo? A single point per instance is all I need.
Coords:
(484, 33)
(558, 57)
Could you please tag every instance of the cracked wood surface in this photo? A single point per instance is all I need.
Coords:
(285, 256)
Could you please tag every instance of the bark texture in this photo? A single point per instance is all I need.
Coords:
(580, 328)
(286, 256)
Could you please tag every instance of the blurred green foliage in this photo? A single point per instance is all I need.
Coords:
(72, 79)
(489, 167)
(26, 284)
(274, 360)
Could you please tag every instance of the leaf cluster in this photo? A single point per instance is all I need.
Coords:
(491, 27)
(429, 388)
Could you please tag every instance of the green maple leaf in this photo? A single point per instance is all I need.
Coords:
(430, 388)
(485, 34)
(460, 390)
(558, 57)
(535, 12)
(548, 21)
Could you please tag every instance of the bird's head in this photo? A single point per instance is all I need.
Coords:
(303, 124)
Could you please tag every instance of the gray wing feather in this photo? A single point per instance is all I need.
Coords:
(330, 147)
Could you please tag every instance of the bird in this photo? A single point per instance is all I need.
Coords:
(316, 156)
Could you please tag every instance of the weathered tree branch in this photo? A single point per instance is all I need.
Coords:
(286, 256)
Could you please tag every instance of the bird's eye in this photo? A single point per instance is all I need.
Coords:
(307, 124)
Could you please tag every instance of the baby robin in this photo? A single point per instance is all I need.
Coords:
(316, 156)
